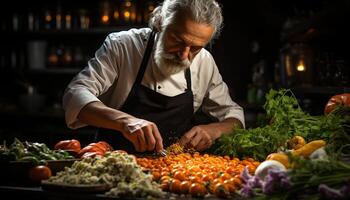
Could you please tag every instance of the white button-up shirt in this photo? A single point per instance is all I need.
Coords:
(110, 76)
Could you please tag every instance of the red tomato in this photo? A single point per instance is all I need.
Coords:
(40, 172)
(343, 99)
(69, 145)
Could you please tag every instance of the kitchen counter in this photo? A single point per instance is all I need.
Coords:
(36, 192)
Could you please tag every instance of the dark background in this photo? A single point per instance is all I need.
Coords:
(256, 35)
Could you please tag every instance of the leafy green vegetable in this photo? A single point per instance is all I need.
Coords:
(286, 120)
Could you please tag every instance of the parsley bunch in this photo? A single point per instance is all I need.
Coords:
(286, 120)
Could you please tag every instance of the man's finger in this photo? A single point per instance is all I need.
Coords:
(150, 141)
(196, 139)
(187, 137)
(135, 142)
(141, 139)
(158, 138)
(203, 144)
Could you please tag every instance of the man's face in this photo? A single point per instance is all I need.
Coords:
(179, 43)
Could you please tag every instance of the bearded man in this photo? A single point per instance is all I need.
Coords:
(144, 85)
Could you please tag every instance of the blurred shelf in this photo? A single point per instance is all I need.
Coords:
(55, 71)
(320, 90)
(71, 33)
(20, 114)
(327, 24)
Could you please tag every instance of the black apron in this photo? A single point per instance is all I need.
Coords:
(172, 115)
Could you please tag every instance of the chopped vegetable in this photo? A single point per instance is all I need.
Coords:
(37, 153)
(69, 145)
(116, 169)
(95, 149)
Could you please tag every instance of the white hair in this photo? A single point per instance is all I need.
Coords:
(201, 11)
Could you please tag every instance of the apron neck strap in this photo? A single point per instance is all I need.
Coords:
(188, 79)
(145, 58)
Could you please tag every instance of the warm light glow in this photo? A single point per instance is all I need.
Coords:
(289, 68)
(301, 66)
(105, 18)
(133, 16)
(48, 18)
(151, 8)
(116, 15)
(126, 14)
(68, 18)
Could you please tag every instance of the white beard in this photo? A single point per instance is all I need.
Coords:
(168, 63)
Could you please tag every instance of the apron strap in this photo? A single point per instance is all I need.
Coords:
(145, 59)
(188, 79)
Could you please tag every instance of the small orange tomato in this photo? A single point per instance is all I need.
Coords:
(185, 187)
(221, 190)
(180, 175)
(155, 175)
(197, 190)
(175, 186)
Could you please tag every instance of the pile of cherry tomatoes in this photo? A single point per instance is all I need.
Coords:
(198, 175)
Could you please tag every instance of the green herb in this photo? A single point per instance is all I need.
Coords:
(286, 120)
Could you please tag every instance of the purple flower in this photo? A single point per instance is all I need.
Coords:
(285, 183)
(345, 190)
(245, 175)
(268, 184)
(277, 174)
(330, 193)
(246, 191)
(255, 182)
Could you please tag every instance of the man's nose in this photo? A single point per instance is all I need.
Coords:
(184, 53)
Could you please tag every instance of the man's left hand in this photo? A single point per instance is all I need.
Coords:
(200, 137)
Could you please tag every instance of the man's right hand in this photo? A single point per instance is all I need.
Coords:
(145, 137)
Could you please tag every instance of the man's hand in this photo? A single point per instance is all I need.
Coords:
(144, 138)
(200, 137)
(143, 134)
(203, 136)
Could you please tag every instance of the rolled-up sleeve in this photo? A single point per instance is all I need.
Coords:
(217, 101)
(91, 82)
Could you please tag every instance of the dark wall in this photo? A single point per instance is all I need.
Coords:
(247, 24)
(251, 22)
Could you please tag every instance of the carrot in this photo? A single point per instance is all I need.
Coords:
(308, 148)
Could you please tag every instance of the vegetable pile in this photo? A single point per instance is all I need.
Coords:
(198, 175)
(91, 150)
(286, 119)
(306, 157)
(37, 153)
(116, 169)
(308, 179)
